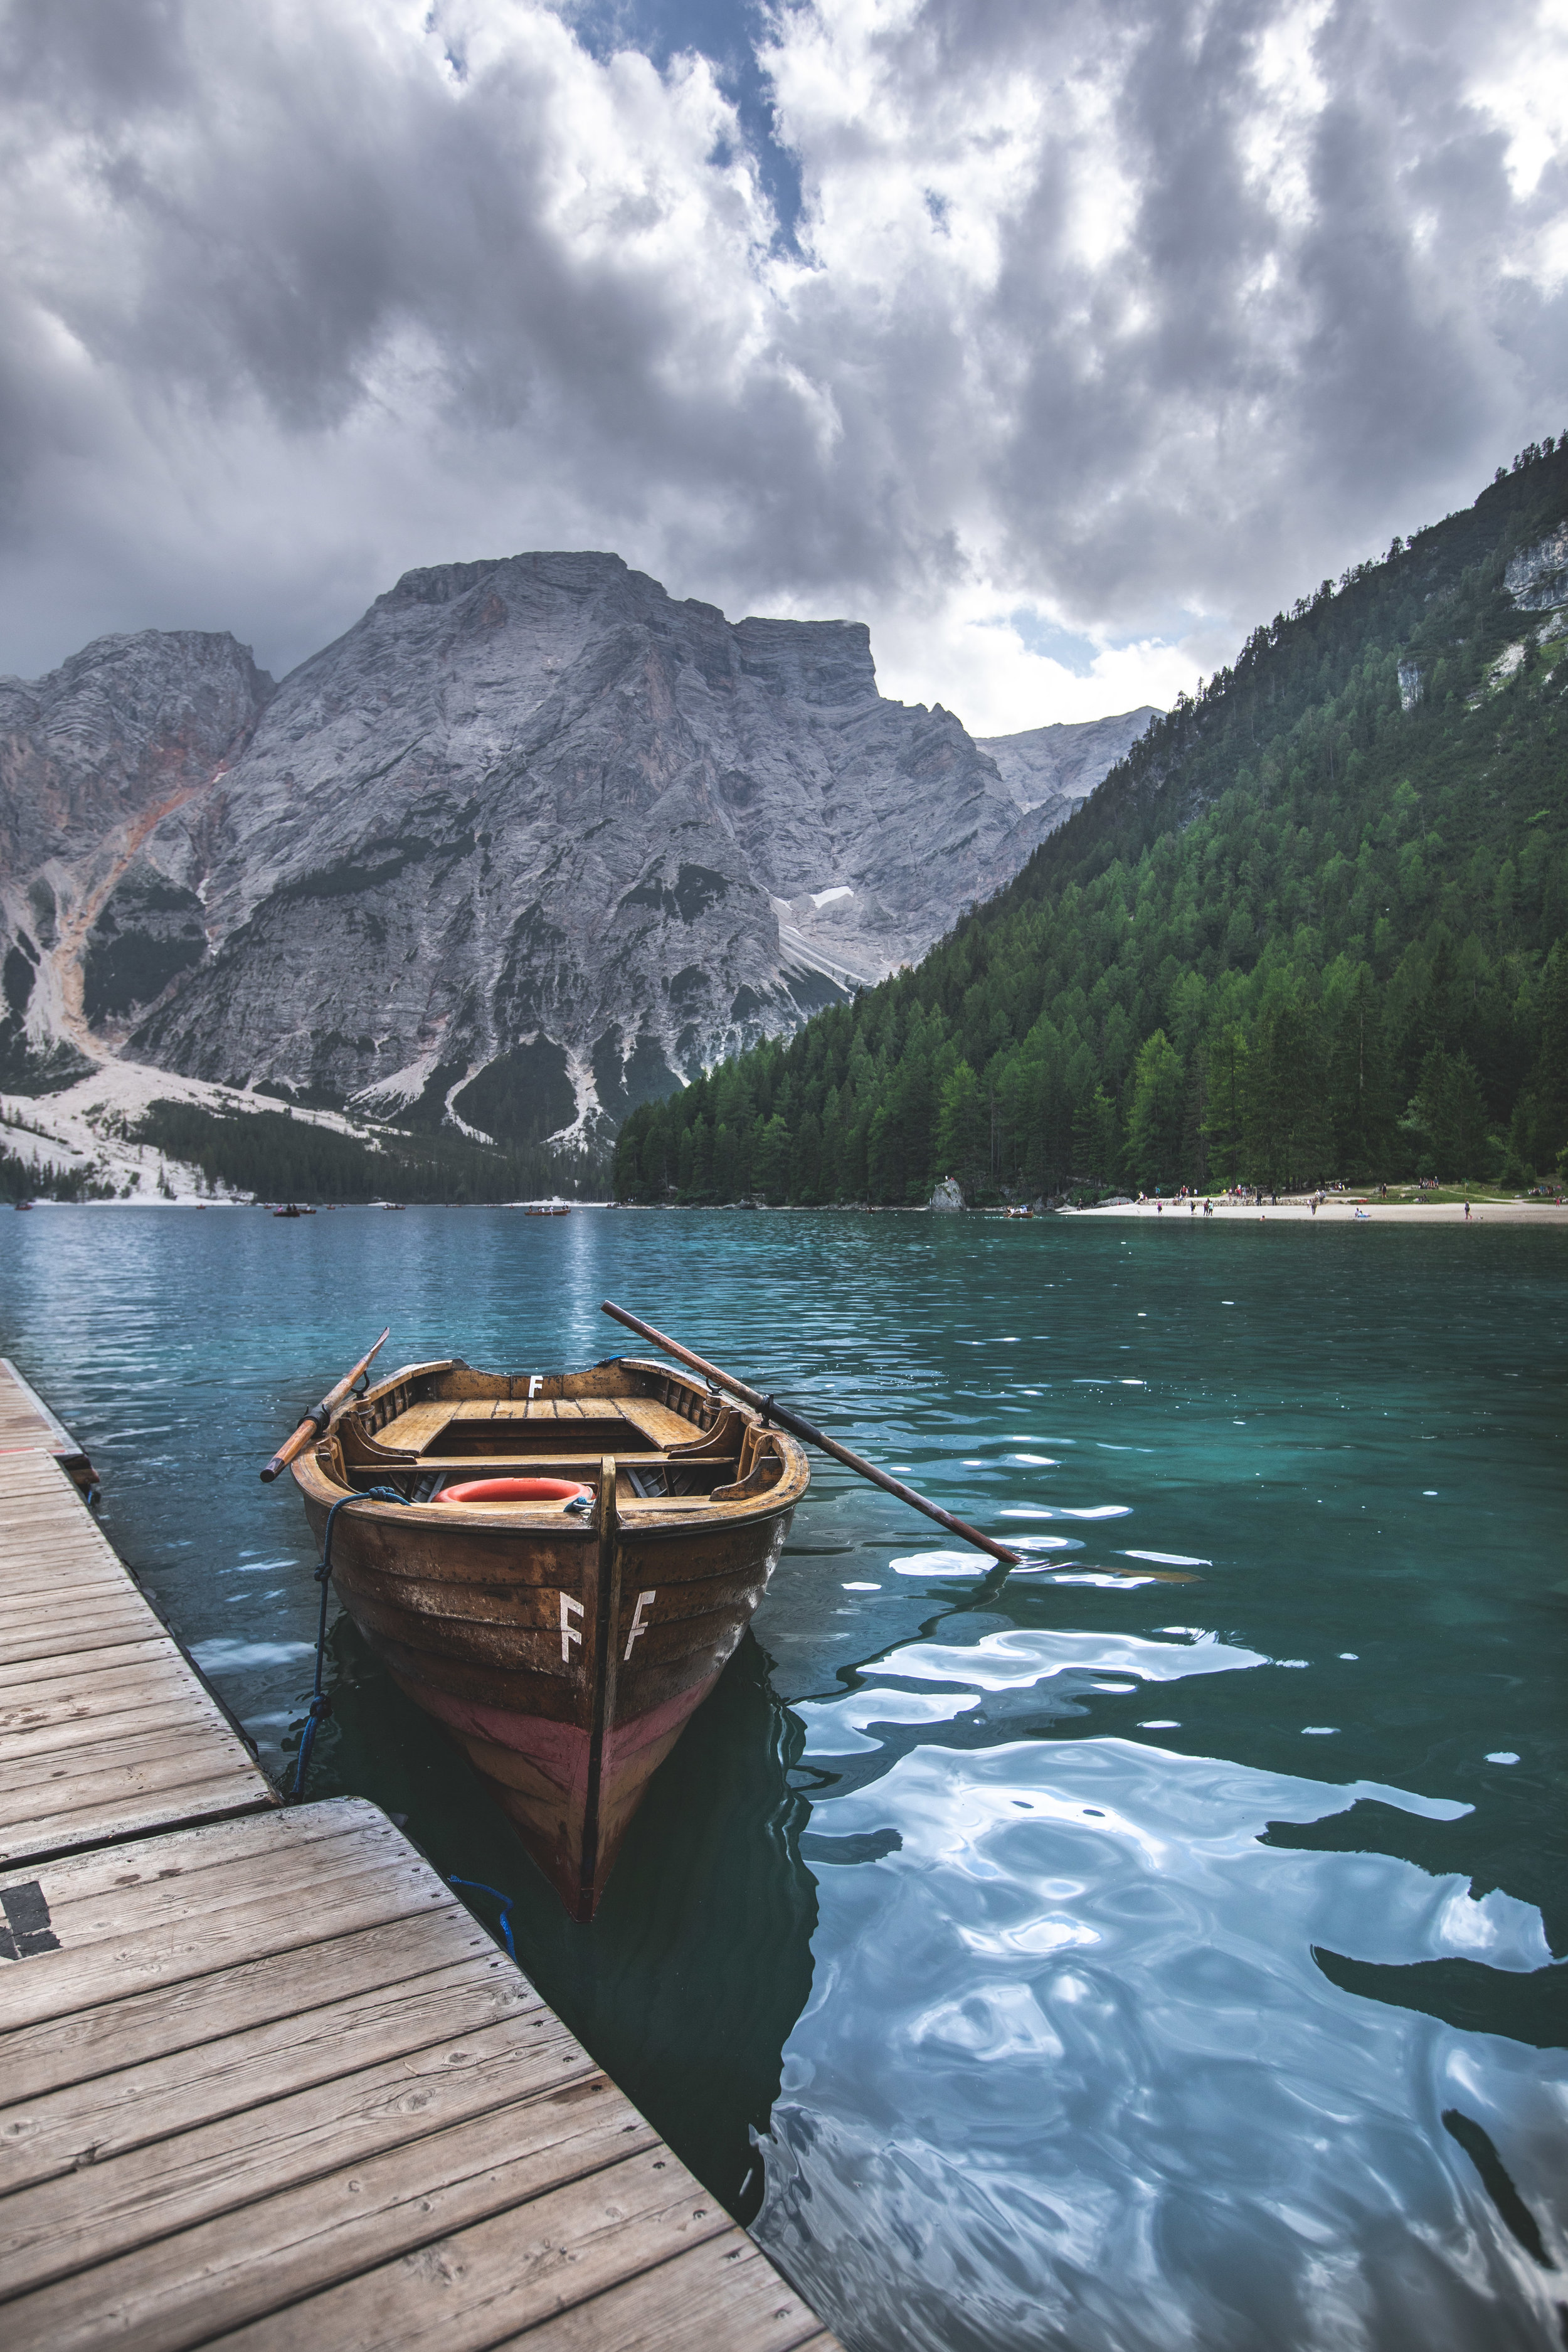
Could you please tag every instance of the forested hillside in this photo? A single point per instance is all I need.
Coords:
(1312, 927)
(278, 1157)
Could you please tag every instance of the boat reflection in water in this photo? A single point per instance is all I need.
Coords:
(699, 1963)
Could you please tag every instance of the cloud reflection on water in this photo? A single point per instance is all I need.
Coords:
(1069, 2047)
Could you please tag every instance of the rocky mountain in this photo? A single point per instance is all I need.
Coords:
(1049, 770)
(530, 842)
(93, 759)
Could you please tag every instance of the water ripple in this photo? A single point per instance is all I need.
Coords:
(1070, 2047)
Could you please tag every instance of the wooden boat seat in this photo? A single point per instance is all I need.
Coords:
(658, 1423)
(648, 1474)
(637, 1425)
(584, 1466)
(470, 1439)
(414, 1428)
(418, 1427)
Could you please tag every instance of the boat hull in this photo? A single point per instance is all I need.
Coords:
(564, 1654)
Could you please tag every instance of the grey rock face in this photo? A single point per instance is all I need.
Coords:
(1049, 770)
(119, 733)
(531, 842)
(1537, 577)
(92, 758)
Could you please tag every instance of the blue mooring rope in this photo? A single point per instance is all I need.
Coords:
(504, 1900)
(320, 1701)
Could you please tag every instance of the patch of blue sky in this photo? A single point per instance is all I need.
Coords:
(1078, 652)
(1039, 635)
(729, 34)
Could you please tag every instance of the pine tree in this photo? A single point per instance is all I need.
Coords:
(1155, 1118)
(1225, 1121)
(961, 1132)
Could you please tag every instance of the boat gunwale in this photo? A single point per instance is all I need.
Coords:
(641, 1518)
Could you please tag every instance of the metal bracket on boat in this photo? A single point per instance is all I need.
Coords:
(581, 1503)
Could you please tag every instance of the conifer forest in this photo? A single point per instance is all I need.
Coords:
(1311, 928)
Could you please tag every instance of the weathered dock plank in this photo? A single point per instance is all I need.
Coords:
(236, 2110)
(27, 1423)
(106, 1730)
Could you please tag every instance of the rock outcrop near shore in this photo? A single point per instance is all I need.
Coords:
(529, 843)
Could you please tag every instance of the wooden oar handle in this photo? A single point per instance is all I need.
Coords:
(812, 1436)
(309, 1429)
(316, 1419)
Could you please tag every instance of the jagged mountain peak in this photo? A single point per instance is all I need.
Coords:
(827, 664)
(530, 841)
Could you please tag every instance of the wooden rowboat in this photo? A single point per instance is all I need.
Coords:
(563, 1647)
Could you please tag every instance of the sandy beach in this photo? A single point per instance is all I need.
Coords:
(1345, 1209)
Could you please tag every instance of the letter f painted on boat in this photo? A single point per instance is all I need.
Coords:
(645, 1601)
(568, 1635)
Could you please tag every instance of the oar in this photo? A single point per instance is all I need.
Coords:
(311, 1428)
(810, 1436)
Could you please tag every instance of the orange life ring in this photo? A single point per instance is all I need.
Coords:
(513, 1490)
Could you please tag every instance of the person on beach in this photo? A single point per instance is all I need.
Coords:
(1467, 1212)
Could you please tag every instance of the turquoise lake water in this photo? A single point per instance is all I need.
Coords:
(1157, 1955)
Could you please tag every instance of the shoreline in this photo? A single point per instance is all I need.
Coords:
(314, 1209)
(1339, 1211)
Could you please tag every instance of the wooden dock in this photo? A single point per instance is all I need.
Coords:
(264, 2081)
(106, 1729)
(28, 1425)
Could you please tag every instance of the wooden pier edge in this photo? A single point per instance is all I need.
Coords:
(263, 2079)
(23, 1413)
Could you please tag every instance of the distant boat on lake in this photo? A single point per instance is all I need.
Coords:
(575, 1561)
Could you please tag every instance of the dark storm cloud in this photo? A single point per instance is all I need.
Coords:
(1293, 372)
(1122, 312)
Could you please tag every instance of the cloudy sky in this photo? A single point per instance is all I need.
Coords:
(1060, 339)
